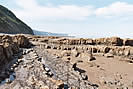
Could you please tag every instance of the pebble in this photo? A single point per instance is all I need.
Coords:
(8, 81)
(84, 76)
(50, 74)
(24, 66)
(39, 59)
(125, 87)
(47, 69)
(19, 61)
(15, 65)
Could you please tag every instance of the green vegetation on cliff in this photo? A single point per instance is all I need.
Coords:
(10, 24)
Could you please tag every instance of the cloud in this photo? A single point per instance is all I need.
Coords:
(26, 4)
(115, 9)
(48, 18)
(31, 9)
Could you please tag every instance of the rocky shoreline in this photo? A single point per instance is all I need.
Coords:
(36, 62)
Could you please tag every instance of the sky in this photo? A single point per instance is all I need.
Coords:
(80, 18)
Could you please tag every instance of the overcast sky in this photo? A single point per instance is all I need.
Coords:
(83, 18)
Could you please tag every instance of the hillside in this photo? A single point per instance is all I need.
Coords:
(10, 24)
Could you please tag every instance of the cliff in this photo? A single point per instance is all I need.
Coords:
(10, 24)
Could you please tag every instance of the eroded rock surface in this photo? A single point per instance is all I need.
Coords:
(62, 63)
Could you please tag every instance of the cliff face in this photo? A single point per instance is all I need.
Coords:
(10, 24)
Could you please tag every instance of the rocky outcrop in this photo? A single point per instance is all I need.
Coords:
(62, 40)
(80, 50)
(114, 41)
(10, 24)
(128, 42)
(113, 45)
(57, 62)
(8, 48)
(22, 41)
(9, 45)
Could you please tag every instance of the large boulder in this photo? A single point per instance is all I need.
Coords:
(114, 41)
(71, 41)
(66, 53)
(106, 49)
(131, 51)
(126, 52)
(90, 41)
(7, 49)
(22, 41)
(128, 42)
(75, 53)
(9, 45)
(108, 55)
(99, 41)
(2, 55)
(91, 57)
